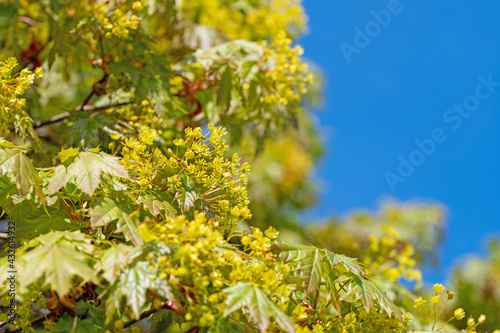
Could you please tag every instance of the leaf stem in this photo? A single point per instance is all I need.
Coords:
(316, 296)
(444, 324)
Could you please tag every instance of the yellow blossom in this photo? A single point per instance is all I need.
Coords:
(438, 288)
(459, 313)
(435, 299)
(419, 302)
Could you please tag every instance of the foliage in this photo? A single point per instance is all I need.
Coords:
(13, 86)
(125, 169)
(476, 280)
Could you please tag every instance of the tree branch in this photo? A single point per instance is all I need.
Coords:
(80, 107)
(85, 101)
(67, 114)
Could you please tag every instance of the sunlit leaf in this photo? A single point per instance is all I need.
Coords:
(16, 163)
(292, 252)
(64, 154)
(260, 307)
(351, 264)
(133, 284)
(86, 171)
(156, 205)
(366, 290)
(108, 211)
(113, 261)
(57, 260)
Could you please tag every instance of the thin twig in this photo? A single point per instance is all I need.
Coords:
(67, 114)
(75, 322)
(315, 304)
(52, 120)
(85, 101)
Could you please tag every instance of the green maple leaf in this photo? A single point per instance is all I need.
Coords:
(113, 261)
(38, 222)
(366, 290)
(108, 211)
(133, 284)
(186, 199)
(156, 205)
(350, 264)
(292, 252)
(260, 307)
(86, 171)
(57, 257)
(65, 154)
(70, 324)
(22, 171)
(309, 261)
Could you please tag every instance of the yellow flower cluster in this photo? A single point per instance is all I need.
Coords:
(419, 302)
(131, 116)
(197, 176)
(119, 24)
(264, 270)
(392, 257)
(203, 263)
(458, 314)
(111, 20)
(143, 163)
(269, 80)
(285, 75)
(371, 321)
(195, 266)
(31, 300)
(12, 87)
(250, 20)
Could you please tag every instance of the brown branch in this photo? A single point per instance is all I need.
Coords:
(85, 101)
(80, 107)
(67, 114)
(52, 120)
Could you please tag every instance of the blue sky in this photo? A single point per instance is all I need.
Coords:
(406, 80)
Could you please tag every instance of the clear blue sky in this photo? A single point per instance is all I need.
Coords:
(400, 86)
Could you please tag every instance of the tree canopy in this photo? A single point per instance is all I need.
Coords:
(153, 161)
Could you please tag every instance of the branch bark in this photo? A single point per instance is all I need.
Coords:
(67, 114)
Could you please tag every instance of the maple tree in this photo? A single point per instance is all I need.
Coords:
(129, 131)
